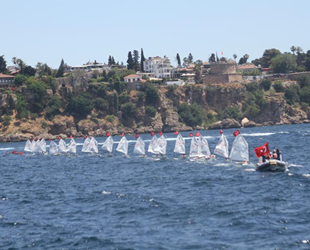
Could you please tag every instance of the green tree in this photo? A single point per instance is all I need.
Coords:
(61, 69)
(38, 89)
(128, 110)
(235, 56)
(305, 94)
(191, 115)
(268, 55)
(81, 105)
(190, 58)
(142, 60)
(2, 65)
(293, 49)
(29, 71)
(212, 58)
(179, 60)
(22, 108)
(198, 71)
(130, 62)
(53, 107)
(20, 64)
(265, 84)
(278, 86)
(230, 112)
(291, 94)
(151, 95)
(283, 63)
(150, 111)
(19, 80)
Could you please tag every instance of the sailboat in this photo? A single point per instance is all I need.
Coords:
(179, 146)
(108, 144)
(222, 146)
(53, 148)
(123, 146)
(199, 147)
(161, 146)
(85, 144)
(71, 147)
(62, 146)
(240, 150)
(28, 146)
(139, 147)
(92, 146)
(153, 145)
(42, 145)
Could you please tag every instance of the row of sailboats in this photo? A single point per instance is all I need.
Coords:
(199, 147)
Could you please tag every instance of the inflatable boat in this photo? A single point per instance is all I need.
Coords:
(272, 166)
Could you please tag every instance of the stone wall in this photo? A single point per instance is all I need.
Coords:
(225, 78)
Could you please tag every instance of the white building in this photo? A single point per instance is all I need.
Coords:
(161, 67)
(90, 66)
(132, 78)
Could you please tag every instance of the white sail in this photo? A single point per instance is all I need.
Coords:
(85, 144)
(195, 148)
(153, 145)
(222, 146)
(240, 149)
(92, 146)
(161, 146)
(53, 148)
(62, 146)
(71, 147)
(28, 147)
(123, 146)
(139, 147)
(108, 144)
(42, 144)
(36, 146)
(205, 150)
(179, 145)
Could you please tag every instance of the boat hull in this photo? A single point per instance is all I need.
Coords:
(272, 166)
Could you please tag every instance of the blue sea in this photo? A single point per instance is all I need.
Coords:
(91, 201)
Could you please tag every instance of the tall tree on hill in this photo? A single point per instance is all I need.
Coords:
(113, 61)
(190, 58)
(212, 58)
(61, 69)
(136, 58)
(2, 64)
(217, 58)
(178, 59)
(293, 49)
(130, 63)
(235, 56)
(142, 60)
(110, 60)
(20, 63)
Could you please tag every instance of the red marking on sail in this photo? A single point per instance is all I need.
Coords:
(160, 133)
(190, 134)
(49, 139)
(152, 133)
(122, 134)
(85, 136)
(108, 134)
(221, 131)
(197, 134)
(70, 137)
(262, 150)
(176, 132)
(136, 135)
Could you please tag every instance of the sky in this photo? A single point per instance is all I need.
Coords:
(81, 31)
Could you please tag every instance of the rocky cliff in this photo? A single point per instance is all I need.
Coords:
(212, 98)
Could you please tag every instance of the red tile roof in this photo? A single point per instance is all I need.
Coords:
(6, 76)
(132, 76)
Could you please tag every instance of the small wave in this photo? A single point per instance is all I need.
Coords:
(221, 165)
(3, 149)
(295, 166)
(105, 192)
(306, 175)
(250, 169)
(259, 134)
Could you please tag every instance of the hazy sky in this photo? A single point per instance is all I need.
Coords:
(79, 31)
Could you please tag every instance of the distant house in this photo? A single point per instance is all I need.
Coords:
(132, 78)
(6, 80)
(246, 68)
(160, 66)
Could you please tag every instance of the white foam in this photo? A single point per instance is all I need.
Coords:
(259, 134)
(249, 169)
(105, 192)
(306, 175)
(295, 166)
(3, 149)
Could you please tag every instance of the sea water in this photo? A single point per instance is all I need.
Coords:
(90, 201)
